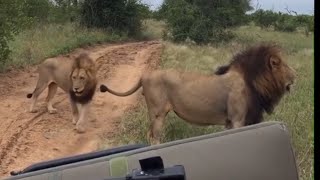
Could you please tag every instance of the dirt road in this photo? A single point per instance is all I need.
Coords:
(27, 138)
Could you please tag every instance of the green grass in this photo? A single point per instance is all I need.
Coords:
(296, 109)
(33, 45)
(292, 42)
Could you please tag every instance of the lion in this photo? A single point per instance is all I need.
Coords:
(75, 76)
(236, 95)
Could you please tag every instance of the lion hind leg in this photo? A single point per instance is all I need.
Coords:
(53, 87)
(157, 117)
(40, 87)
(154, 133)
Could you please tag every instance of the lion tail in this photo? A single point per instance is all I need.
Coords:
(104, 88)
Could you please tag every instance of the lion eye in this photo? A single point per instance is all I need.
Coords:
(81, 77)
(73, 77)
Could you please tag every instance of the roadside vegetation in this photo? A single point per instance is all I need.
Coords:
(33, 30)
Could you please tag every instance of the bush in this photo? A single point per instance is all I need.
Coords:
(36, 10)
(306, 21)
(264, 19)
(202, 21)
(64, 11)
(12, 20)
(285, 23)
(17, 15)
(116, 15)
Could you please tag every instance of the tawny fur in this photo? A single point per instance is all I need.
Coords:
(235, 96)
(77, 77)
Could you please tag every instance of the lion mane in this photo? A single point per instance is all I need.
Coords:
(266, 89)
(84, 62)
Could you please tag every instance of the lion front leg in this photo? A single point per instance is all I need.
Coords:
(83, 116)
(237, 109)
(75, 112)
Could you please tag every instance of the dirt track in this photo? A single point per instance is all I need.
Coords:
(27, 138)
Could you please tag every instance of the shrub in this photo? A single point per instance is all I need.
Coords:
(116, 15)
(285, 23)
(264, 19)
(12, 20)
(202, 21)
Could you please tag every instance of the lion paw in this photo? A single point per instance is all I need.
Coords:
(33, 111)
(80, 129)
(93, 119)
(52, 111)
(74, 121)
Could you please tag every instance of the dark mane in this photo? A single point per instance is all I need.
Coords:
(264, 89)
(85, 98)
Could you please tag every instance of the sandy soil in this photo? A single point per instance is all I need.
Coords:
(27, 138)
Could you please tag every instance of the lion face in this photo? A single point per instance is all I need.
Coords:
(284, 73)
(79, 78)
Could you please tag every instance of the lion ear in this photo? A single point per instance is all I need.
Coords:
(274, 62)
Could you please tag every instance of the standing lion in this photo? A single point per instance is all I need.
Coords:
(77, 77)
(235, 96)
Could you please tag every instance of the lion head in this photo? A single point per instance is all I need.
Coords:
(83, 79)
(267, 75)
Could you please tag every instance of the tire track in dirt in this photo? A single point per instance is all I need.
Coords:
(27, 138)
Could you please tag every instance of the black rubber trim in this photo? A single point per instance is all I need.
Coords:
(77, 158)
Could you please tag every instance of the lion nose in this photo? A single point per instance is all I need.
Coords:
(76, 89)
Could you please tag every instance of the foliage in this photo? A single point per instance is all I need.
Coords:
(306, 21)
(12, 20)
(285, 23)
(64, 11)
(36, 10)
(202, 21)
(116, 15)
(33, 45)
(282, 21)
(17, 15)
(264, 18)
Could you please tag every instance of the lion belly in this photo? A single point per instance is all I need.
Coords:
(58, 70)
(200, 102)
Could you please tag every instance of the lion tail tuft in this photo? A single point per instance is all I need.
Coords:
(103, 88)
(29, 95)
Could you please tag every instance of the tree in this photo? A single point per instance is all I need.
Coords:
(203, 21)
(12, 20)
(37, 10)
(265, 19)
(117, 15)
